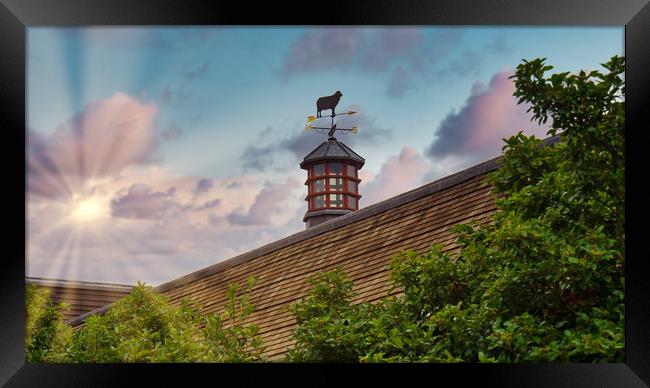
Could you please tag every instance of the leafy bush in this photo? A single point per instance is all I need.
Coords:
(544, 282)
(45, 334)
(145, 327)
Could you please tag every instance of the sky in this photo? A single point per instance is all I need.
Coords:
(154, 152)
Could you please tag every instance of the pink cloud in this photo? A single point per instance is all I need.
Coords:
(268, 202)
(157, 225)
(489, 115)
(141, 201)
(107, 136)
(203, 185)
(157, 233)
(398, 174)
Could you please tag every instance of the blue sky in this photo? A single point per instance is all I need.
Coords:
(186, 127)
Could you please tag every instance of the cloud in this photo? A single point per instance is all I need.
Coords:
(407, 57)
(257, 158)
(268, 202)
(260, 157)
(203, 185)
(470, 61)
(209, 205)
(160, 227)
(369, 132)
(389, 43)
(398, 174)
(368, 49)
(140, 201)
(106, 137)
(403, 55)
(176, 94)
(171, 132)
(322, 49)
(490, 114)
(469, 64)
(157, 225)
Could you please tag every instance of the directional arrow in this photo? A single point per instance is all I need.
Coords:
(332, 129)
(312, 118)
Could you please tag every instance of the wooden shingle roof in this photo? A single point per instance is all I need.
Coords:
(81, 297)
(361, 243)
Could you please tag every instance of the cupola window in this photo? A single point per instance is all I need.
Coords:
(318, 185)
(336, 168)
(352, 186)
(352, 171)
(336, 184)
(319, 169)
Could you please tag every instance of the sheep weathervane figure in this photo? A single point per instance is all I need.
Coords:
(325, 103)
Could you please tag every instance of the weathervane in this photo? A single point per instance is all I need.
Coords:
(325, 103)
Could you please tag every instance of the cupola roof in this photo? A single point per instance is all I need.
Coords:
(329, 150)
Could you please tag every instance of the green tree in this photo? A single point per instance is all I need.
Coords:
(324, 318)
(141, 327)
(545, 282)
(45, 333)
(228, 338)
(145, 327)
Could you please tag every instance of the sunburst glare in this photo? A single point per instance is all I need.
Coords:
(89, 210)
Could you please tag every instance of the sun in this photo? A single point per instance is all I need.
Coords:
(89, 209)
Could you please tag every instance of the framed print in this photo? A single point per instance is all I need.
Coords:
(253, 164)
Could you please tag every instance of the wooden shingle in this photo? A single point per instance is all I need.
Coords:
(81, 297)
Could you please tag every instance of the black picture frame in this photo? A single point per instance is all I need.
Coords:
(17, 15)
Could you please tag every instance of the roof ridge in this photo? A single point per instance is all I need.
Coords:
(314, 150)
(350, 151)
(69, 283)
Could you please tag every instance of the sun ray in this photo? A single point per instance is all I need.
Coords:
(60, 258)
(51, 172)
(112, 245)
(59, 224)
(74, 267)
(114, 151)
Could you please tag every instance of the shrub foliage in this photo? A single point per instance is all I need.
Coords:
(144, 327)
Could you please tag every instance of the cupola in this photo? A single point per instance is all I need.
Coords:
(332, 181)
